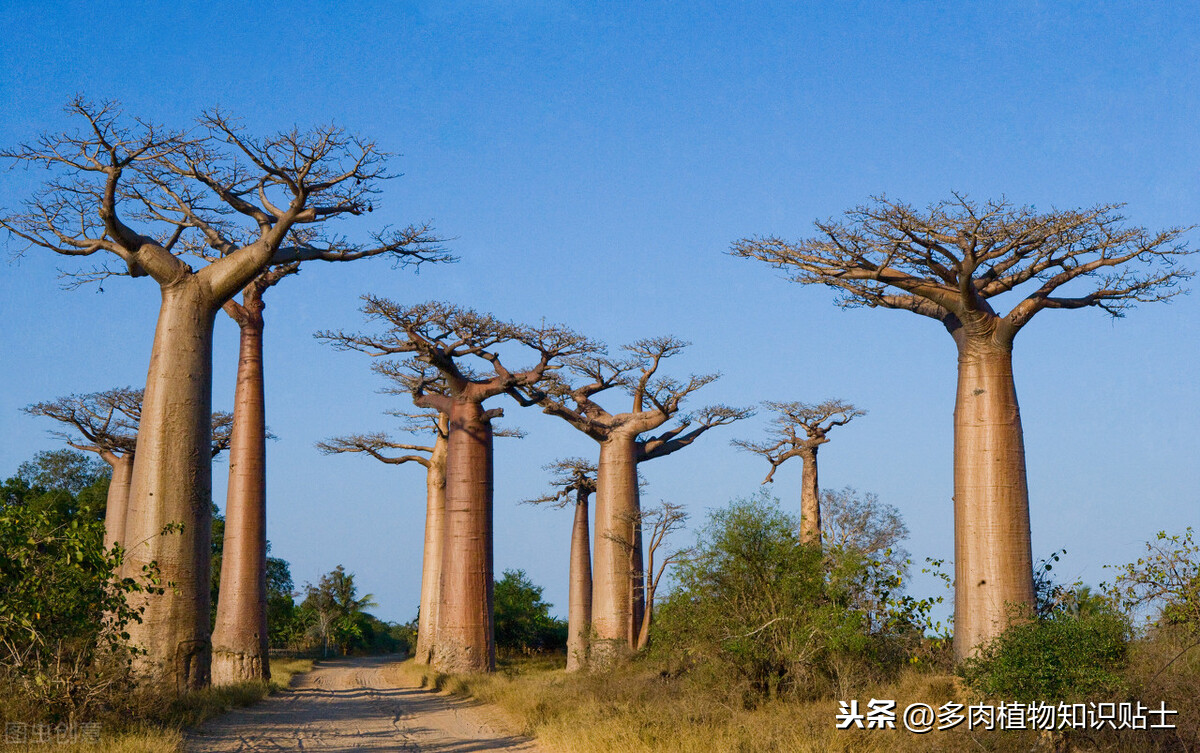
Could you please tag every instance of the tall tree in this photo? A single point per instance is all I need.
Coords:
(240, 641)
(106, 423)
(578, 477)
(618, 597)
(385, 449)
(799, 430)
(151, 197)
(949, 262)
(448, 338)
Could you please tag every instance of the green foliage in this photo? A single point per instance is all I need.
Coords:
(335, 615)
(523, 621)
(1165, 583)
(66, 470)
(63, 615)
(753, 603)
(1074, 652)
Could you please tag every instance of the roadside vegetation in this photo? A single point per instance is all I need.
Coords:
(65, 661)
(736, 666)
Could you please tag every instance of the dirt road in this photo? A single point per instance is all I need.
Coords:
(353, 704)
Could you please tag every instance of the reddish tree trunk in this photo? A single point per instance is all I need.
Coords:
(579, 599)
(617, 506)
(435, 533)
(240, 648)
(116, 507)
(993, 561)
(171, 486)
(465, 640)
(637, 571)
(810, 499)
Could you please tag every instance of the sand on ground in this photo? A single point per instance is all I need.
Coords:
(354, 704)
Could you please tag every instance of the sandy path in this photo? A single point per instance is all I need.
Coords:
(352, 704)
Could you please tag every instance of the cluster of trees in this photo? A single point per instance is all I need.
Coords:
(205, 213)
(248, 212)
(64, 611)
(450, 363)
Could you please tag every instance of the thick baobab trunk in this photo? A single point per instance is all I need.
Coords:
(614, 565)
(465, 634)
(810, 499)
(431, 565)
(169, 516)
(239, 640)
(116, 507)
(993, 570)
(579, 598)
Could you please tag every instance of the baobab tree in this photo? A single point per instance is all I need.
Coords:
(576, 476)
(432, 457)
(799, 430)
(662, 521)
(240, 635)
(385, 449)
(618, 597)
(152, 197)
(948, 263)
(106, 423)
(448, 338)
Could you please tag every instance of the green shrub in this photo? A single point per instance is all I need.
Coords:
(779, 616)
(523, 621)
(63, 652)
(1069, 654)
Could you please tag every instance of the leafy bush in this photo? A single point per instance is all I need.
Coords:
(1069, 654)
(755, 604)
(523, 621)
(1166, 581)
(62, 613)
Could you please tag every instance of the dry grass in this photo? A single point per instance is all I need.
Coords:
(160, 724)
(639, 710)
(283, 670)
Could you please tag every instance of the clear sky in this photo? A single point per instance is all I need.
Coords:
(592, 164)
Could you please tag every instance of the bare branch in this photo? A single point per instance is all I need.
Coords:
(150, 196)
(950, 259)
(571, 476)
(798, 429)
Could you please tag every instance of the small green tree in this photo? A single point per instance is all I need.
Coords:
(336, 610)
(70, 471)
(1164, 585)
(523, 621)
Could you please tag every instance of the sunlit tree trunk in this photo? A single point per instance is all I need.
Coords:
(240, 646)
(810, 498)
(169, 516)
(637, 572)
(993, 570)
(431, 565)
(579, 599)
(116, 507)
(617, 507)
(465, 635)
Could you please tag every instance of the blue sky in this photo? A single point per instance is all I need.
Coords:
(592, 165)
